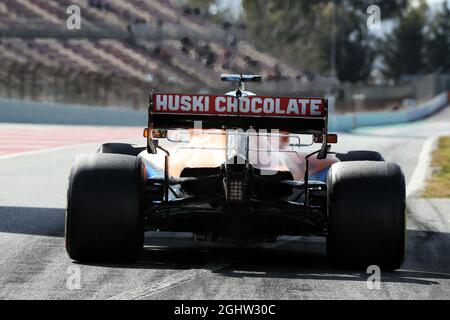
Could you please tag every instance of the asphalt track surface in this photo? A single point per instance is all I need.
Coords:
(34, 263)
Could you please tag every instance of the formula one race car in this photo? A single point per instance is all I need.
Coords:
(212, 167)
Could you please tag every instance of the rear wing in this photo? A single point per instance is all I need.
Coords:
(296, 115)
(292, 114)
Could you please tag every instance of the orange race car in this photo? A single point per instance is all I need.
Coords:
(236, 167)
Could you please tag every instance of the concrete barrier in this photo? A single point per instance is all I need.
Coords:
(350, 121)
(60, 113)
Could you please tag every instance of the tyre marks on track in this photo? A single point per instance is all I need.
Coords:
(172, 280)
(197, 272)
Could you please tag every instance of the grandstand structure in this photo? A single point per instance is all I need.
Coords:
(123, 50)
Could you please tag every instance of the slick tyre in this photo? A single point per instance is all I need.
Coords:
(366, 214)
(360, 155)
(105, 203)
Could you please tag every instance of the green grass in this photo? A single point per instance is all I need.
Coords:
(438, 185)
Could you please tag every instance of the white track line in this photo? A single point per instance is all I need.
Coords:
(62, 148)
(37, 152)
(421, 171)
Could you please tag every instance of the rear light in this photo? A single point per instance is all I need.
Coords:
(235, 191)
(235, 182)
(156, 133)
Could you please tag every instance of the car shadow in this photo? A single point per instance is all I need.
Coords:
(427, 259)
(32, 221)
(302, 260)
(291, 264)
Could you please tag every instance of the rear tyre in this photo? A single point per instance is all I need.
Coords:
(366, 212)
(105, 202)
(120, 148)
(360, 155)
